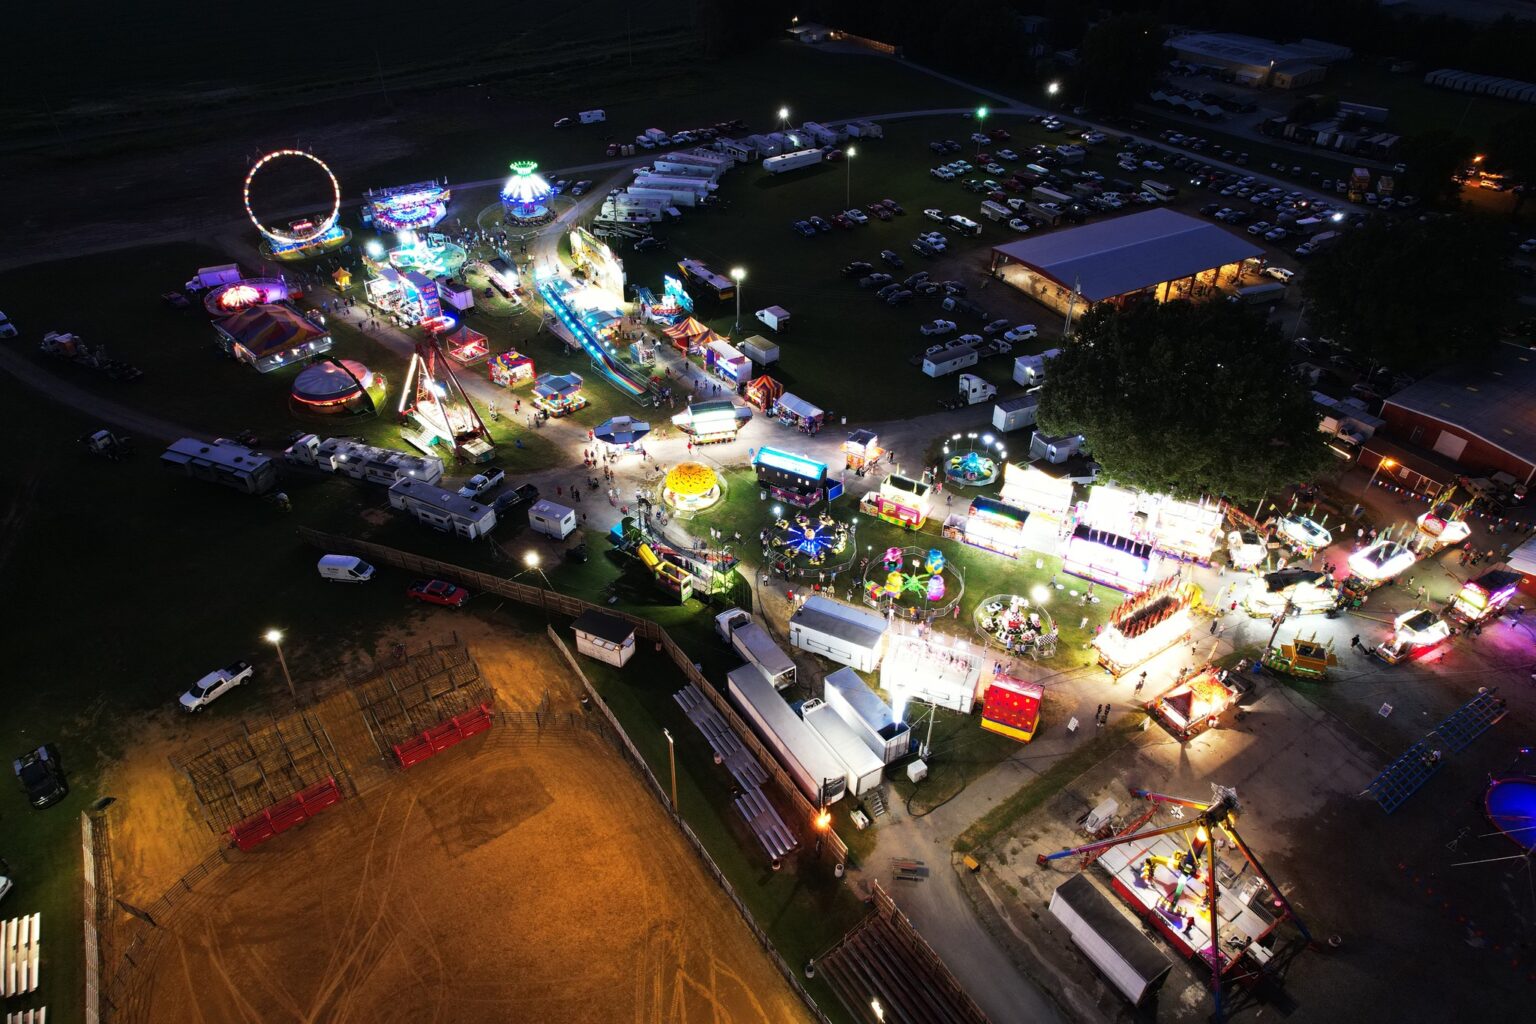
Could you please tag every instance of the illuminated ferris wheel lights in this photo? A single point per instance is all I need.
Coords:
(313, 231)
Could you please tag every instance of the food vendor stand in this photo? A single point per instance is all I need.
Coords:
(1011, 707)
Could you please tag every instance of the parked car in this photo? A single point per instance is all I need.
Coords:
(480, 483)
(874, 280)
(41, 776)
(581, 188)
(899, 298)
(995, 326)
(1275, 235)
(890, 258)
(878, 210)
(650, 242)
(216, 684)
(565, 122)
(1020, 225)
(942, 173)
(937, 328)
(933, 213)
(842, 221)
(893, 206)
(1023, 332)
(1281, 274)
(857, 216)
(887, 291)
(857, 268)
(924, 248)
(803, 227)
(1008, 155)
(819, 223)
(449, 595)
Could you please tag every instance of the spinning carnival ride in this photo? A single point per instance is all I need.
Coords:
(1008, 621)
(306, 237)
(808, 539)
(435, 410)
(1171, 877)
(917, 583)
(526, 195)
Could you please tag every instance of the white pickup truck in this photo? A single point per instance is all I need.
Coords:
(215, 684)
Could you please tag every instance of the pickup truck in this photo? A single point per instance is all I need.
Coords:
(215, 684)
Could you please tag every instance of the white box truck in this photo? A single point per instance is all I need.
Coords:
(863, 771)
(776, 317)
(753, 643)
(790, 161)
(592, 116)
(803, 753)
(345, 569)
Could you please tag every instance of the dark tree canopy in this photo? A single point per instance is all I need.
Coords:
(1121, 57)
(1411, 294)
(1185, 399)
(1434, 158)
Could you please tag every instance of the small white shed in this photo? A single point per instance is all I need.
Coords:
(604, 637)
(552, 519)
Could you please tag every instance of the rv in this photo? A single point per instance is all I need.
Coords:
(592, 116)
(697, 272)
(948, 360)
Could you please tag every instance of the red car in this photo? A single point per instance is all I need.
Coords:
(441, 592)
(999, 135)
(841, 221)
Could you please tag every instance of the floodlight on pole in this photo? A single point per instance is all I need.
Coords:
(850, 153)
(275, 638)
(738, 275)
(1052, 88)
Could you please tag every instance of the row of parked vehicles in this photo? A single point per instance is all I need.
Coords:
(883, 209)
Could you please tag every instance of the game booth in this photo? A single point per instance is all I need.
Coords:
(1146, 624)
(793, 411)
(336, 386)
(1290, 592)
(511, 369)
(931, 667)
(794, 479)
(689, 336)
(899, 500)
(762, 392)
(1115, 561)
(1246, 549)
(1011, 707)
(913, 583)
(1196, 704)
(991, 525)
(1481, 600)
(416, 207)
(271, 337)
(1008, 622)
(467, 346)
(725, 361)
(713, 422)
(862, 451)
(558, 394)
(1415, 633)
(411, 296)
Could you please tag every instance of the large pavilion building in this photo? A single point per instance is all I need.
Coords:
(1156, 253)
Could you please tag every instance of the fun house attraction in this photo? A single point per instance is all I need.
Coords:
(307, 237)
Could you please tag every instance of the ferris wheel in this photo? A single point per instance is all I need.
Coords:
(301, 233)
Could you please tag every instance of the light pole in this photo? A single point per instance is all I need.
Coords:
(531, 563)
(783, 118)
(848, 178)
(1389, 463)
(672, 763)
(738, 275)
(981, 117)
(275, 638)
(1052, 88)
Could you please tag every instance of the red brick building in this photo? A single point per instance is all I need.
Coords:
(1481, 418)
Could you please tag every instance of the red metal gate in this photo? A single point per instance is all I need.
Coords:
(285, 814)
(443, 735)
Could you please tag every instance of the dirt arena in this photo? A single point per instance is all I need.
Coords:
(512, 878)
(531, 880)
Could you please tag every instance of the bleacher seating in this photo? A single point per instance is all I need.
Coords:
(20, 939)
(755, 808)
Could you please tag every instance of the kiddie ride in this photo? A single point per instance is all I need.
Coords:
(1171, 877)
(1414, 634)
(1373, 566)
(1302, 657)
(927, 583)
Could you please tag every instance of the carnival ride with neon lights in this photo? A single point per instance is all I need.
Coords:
(1147, 623)
(917, 583)
(434, 410)
(691, 487)
(1290, 591)
(526, 195)
(808, 539)
(1483, 598)
(1415, 633)
(554, 291)
(1443, 526)
(973, 468)
(677, 569)
(335, 386)
(417, 207)
(1306, 535)
(1009, 622)
(432, 254)
(305, 238)
(232, 298)
(1162, 878)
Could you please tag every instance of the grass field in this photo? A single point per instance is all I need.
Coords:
(1416, 107)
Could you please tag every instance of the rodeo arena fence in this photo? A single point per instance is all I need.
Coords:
(274, 772)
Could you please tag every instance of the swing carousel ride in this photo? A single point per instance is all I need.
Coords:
(808, 539)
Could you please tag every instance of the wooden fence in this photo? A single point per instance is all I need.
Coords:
(563, 604)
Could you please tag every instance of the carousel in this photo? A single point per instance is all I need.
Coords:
(1009, 622)
(915, 583)
(690, 487)
(980, 464)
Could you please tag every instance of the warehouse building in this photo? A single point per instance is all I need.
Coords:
(1156, 253)
(1260, 62)
(1482, 419)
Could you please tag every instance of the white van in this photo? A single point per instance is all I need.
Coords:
(345, 569)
